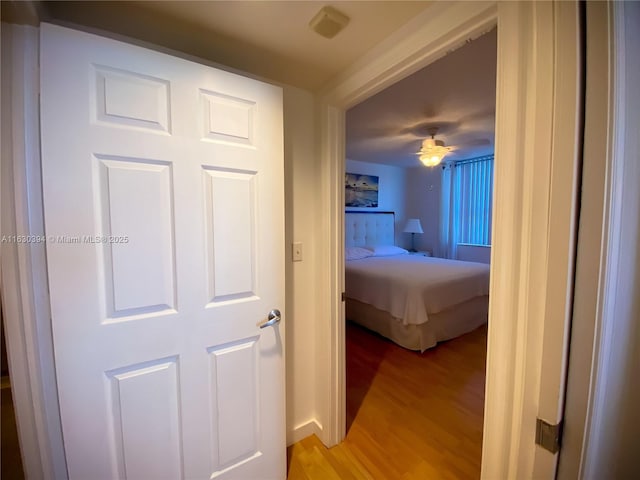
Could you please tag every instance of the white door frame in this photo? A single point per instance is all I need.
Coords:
(25, 297)
(530, 133)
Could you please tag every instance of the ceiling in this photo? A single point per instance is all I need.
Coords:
(457, 93)
(271, 39)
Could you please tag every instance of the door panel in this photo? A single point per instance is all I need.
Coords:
(145, 399)
(234, 375)
(227, 118)
(130, 99)
(230, 234)
(162, 184)
(140, 272)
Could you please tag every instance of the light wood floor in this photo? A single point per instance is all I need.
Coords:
(409, 415)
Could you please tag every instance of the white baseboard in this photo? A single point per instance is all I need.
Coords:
(303, 431)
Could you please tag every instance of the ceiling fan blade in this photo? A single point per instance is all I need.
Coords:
(478, 142)
(486, 115)
(425, 129)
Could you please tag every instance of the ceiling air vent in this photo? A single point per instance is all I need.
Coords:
(328, 22)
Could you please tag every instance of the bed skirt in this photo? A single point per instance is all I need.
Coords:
(445, 325)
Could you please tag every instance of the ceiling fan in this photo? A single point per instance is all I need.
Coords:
(432, 151)
(390, 135)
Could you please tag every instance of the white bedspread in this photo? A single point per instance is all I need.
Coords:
(411, 287)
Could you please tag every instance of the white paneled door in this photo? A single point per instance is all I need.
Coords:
(163, 196)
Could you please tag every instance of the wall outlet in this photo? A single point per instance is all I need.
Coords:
(296, 251)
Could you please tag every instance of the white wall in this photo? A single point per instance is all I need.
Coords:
(423, 202)
(301, 214)
(391, 193)
(474, 253)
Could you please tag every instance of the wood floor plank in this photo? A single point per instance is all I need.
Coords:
(410, 415)
(345, 456)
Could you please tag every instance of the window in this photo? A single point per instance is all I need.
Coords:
(472, 189)
(467, 188)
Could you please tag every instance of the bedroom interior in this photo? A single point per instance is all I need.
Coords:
(417, 264)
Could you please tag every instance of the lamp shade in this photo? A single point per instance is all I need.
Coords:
(413, 226)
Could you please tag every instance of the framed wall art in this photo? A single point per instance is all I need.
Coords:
(361, 190)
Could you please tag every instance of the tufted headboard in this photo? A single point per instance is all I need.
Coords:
(369, 228)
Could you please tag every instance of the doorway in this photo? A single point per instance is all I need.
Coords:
(399, 384)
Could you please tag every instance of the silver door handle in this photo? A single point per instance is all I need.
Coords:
(272, 319)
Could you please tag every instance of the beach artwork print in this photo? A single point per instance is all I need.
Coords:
(361, 190)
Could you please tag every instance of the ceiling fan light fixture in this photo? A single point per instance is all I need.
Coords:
(432, 152)
(431, 160)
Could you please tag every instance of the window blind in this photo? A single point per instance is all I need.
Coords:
(472, 209)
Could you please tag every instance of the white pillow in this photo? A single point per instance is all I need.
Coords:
(386, 250)
(356, 253)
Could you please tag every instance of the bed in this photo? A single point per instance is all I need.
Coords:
(413, 300)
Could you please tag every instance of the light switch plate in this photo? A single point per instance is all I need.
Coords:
(296, 251)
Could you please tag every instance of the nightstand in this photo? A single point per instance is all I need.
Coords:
(422, 253)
